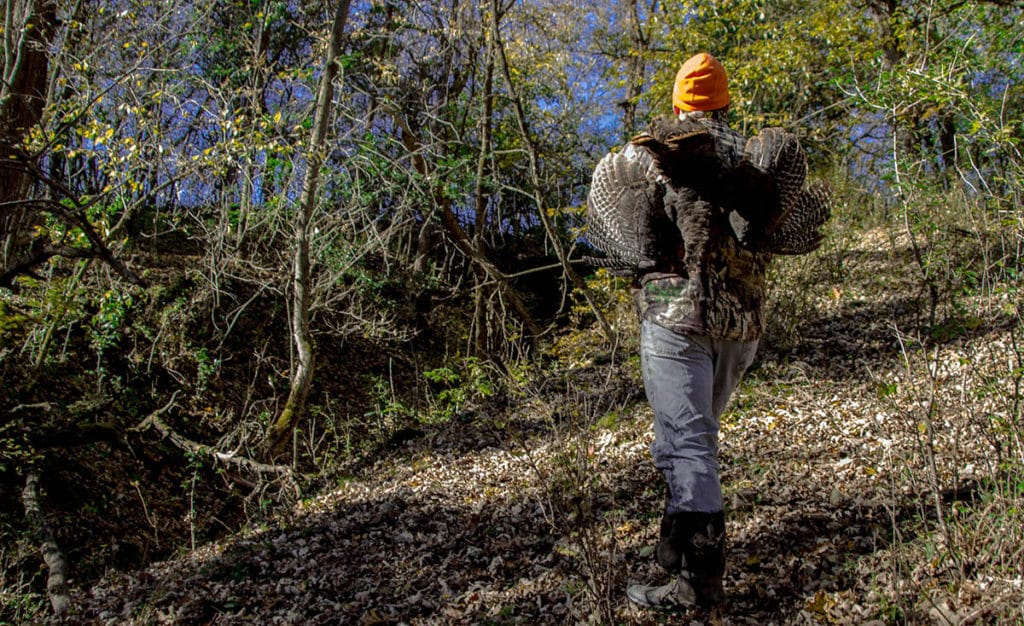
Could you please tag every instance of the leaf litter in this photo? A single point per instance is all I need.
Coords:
(537, 511)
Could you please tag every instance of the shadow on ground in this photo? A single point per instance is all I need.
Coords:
(416, 556)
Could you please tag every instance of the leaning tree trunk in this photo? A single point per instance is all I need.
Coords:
(283, 427)
(531, 152)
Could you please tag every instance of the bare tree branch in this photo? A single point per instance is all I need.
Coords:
(185, 444)
(517, 104)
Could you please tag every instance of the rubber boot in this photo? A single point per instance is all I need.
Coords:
(693, 549)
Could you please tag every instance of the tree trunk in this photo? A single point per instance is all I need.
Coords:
(635, 64)
(28, 31)
(549, 230)
(283, 427)
(56, 579)
(481, 339)
(911, 129)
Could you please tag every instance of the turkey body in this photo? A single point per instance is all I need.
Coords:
(760, 187)
(695, 212)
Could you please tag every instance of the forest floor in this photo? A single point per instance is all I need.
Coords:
(539, 508)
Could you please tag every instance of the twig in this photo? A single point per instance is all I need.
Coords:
(43, 406)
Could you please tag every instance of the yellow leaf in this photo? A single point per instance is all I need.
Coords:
(820, 604)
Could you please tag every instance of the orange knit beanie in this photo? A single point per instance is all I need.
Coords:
(701, 84)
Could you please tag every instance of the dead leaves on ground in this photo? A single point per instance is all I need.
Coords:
(831, 455)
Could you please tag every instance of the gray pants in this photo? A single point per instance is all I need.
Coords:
(689, 380)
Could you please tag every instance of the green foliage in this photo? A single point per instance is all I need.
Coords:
(22, 606)
(887, 389)
(608, 421)
(389, 412)
(336, 432)
(584, 343)
(16, 451)
(786, 60)
(12, 323)
(206, 367)
(453, 390)
(107, 324)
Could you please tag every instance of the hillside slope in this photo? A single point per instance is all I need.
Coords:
(861, 466)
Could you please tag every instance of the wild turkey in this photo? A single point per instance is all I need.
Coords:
(788, 221)
(621, 205)
(684, 151)
(626, 212)
(632, 214)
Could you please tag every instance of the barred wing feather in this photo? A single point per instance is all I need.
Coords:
(623, 200)
(800, 230)
(794, 227)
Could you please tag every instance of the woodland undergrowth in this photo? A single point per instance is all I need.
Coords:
(873, 460)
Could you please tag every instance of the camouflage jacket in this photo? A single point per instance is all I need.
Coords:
(709, 285)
